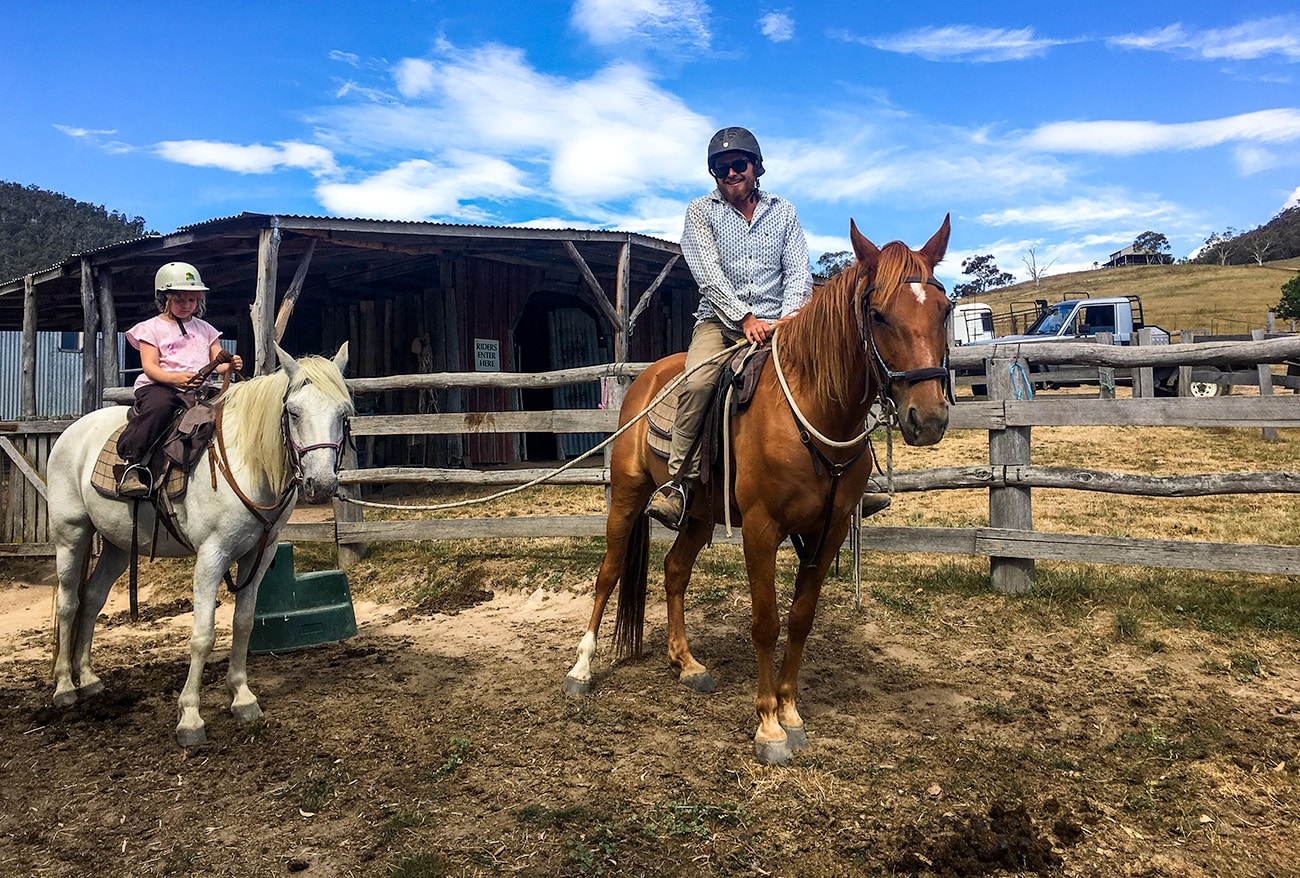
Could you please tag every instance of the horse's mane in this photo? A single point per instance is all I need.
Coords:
(253, 409)
(823, 342)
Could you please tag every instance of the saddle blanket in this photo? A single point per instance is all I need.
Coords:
(109, 468)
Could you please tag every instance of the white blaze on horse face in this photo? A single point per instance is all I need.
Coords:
(918, 290)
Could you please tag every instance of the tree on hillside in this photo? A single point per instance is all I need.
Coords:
(1258, 246)
(831, 264)
(1151, 242)
(1220, 245)
(1036, 272)
(1289, 307)
(39, 228)
(986, 276)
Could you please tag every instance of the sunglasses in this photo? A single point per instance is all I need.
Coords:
(724, 169)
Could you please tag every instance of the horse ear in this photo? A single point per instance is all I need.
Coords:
(287, 363)
(937, 246)
(864, 250)
(341, 358)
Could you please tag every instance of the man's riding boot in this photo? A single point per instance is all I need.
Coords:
(873, 503)
(135, 482)
(668, 505)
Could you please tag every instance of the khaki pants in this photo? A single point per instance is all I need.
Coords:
(709, 339)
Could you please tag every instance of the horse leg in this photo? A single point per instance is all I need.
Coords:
(807, 589)
(677, 576)
(209, 566)
(112, 561)
(771, 745)
(243, 703)
(626, 507)
(72, 548)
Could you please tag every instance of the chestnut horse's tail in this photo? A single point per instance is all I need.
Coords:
(629, 620)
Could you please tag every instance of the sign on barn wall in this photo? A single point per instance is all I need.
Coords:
(487, 355)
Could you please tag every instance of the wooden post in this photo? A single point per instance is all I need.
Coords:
(263, 308)
(348, 553)
(28, 407)
(1009, 507)
(1186, 336)
(622, 297)
(1105, 374)
(1265, 382)
(90, 394)
(1144, 383)
(295, 289)
(110, 369)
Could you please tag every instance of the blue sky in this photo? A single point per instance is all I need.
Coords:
(1064, 130)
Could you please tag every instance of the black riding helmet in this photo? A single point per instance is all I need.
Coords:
(739, 140)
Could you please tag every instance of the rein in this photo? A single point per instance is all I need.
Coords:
(807, 432)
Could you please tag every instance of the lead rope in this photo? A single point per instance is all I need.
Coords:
(659, 397)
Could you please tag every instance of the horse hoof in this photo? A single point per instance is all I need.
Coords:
(576, 688)
(191, 738)
(246, 713)
(93, 688)
(795, 737)
(65, 699)
(772, 753)
(700, 682)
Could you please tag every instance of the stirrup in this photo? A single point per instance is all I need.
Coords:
(873, 503)
(142, 486)
(666, 490)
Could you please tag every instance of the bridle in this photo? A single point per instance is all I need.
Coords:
(296, 451)
(910, 376)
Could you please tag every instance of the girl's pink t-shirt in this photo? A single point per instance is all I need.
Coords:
(177, 351)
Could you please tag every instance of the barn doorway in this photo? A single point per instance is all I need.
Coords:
(559, 331)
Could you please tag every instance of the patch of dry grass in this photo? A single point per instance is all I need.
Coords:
(1218, 298)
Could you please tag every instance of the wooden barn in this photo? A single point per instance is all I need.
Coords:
(410, 297)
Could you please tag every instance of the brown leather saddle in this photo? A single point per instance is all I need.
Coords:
(740, 374)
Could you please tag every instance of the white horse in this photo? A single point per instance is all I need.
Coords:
(282, 434)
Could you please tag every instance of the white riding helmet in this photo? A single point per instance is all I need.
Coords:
(173, 278)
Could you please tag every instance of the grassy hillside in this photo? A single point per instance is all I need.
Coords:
(1218, 298)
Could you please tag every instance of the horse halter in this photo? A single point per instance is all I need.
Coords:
(910, 376)
(297, 451)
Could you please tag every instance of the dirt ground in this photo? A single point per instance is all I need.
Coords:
(957, 741)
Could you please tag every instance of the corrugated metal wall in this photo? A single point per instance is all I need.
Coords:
(58, 375)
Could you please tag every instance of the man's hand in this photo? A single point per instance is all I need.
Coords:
(756, 331)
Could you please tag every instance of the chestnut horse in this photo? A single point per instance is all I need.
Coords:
(877, 331)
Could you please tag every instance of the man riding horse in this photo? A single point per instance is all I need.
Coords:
(749, 256)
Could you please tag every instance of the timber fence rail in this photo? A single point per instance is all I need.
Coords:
(1009, 541)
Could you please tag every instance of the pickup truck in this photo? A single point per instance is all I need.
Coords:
(1081, 319)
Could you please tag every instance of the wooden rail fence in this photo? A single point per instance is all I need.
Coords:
(1009, 541)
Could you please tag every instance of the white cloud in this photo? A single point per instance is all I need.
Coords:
(414, 77)
(962, 43)
(613, 22)
(777, 27)
(418, 189)
(345, 57)
(1247, 41)
(609, 138)
(1107, 209)
(1114, 137)
(1293, 200)
(248, 159)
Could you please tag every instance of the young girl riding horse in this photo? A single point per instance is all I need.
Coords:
(173, 347)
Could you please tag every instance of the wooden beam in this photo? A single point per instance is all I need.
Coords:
(110, 370)
(598, 298)
(28, 406)
(89, 339)
(622, 298)
(644, 301)
(24, 466)
(295, 289)
(268, 259)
